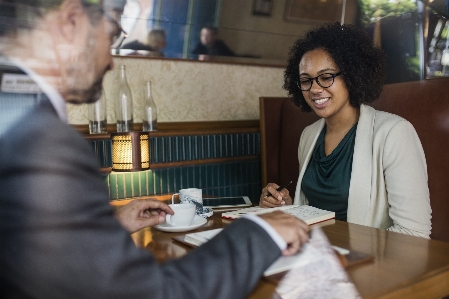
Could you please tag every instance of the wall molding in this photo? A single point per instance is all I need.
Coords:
(183, 128)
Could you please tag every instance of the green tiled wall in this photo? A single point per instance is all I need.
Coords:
(235, 178)
(220, 179)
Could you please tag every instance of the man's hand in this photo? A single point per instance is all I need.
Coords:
(141, 213)
(293, 230)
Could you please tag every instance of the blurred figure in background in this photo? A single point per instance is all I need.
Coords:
(211, 45)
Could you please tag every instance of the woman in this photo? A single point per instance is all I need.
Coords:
(366, 165)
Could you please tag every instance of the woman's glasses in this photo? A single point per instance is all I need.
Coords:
(324, 80)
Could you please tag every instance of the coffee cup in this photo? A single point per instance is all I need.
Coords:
(184, 214)
(192, 196)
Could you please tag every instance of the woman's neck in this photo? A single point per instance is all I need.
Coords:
(342, 122)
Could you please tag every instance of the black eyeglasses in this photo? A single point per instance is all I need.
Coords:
(324, 80)
(118, 32)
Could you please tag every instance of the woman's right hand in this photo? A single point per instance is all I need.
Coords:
(277, 198)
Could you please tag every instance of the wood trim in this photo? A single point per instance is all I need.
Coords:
(270, 127)
(105, 169)
(263, 140)
(202, 162)
(184, 128)
(105, 136)
(226, 60)
(191, 162)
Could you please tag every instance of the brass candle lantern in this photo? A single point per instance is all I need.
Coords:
(130, 151)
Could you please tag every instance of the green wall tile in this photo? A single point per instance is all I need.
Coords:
(197, 176)
(190, 177)
(120, 185)
(105, 179)
(239, 190)
(177, 181)
(113, 186)
(203, 177)
(211, 181)
(171, 178)
(156, 181)
(128, 177)
(164, 182)
(184, 178)
(150, 182)
(143, 182)
(216, 172)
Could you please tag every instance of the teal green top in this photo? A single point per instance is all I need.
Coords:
(326, 180)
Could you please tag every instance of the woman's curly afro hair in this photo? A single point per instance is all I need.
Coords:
(362, 65)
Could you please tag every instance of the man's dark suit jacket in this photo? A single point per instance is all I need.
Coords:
(59, 237)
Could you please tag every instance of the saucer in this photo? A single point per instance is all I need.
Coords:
(197, 222)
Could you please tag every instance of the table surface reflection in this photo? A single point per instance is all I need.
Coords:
(404, 266)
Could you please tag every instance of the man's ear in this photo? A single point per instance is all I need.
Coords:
(71, 19)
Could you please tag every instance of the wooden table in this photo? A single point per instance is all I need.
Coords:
(404, 266)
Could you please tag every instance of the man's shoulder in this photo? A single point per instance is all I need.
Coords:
(42, 123)
(223, 48)
(199, 49)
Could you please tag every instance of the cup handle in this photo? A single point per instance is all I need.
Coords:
(168, 219)
(173, 198)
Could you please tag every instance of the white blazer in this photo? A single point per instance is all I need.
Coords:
(388, 187)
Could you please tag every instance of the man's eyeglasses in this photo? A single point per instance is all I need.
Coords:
(324, 80)
(117, 35)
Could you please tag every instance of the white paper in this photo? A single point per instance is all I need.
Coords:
(318, 274)
(18, 83)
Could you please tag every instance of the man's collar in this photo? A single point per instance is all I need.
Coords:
(12, 66)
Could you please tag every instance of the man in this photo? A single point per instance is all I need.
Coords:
(210, 44)
(58, 234)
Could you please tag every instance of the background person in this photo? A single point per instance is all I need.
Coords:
(59, 235)
(367, 166)
(209, 44)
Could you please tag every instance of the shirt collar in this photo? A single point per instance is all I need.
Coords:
(53, 95)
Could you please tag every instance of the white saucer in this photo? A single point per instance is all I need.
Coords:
(197, 222)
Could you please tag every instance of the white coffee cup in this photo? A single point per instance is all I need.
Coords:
(184, 214)
(190, 195)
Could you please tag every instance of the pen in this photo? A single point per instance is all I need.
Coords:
(278, 189)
